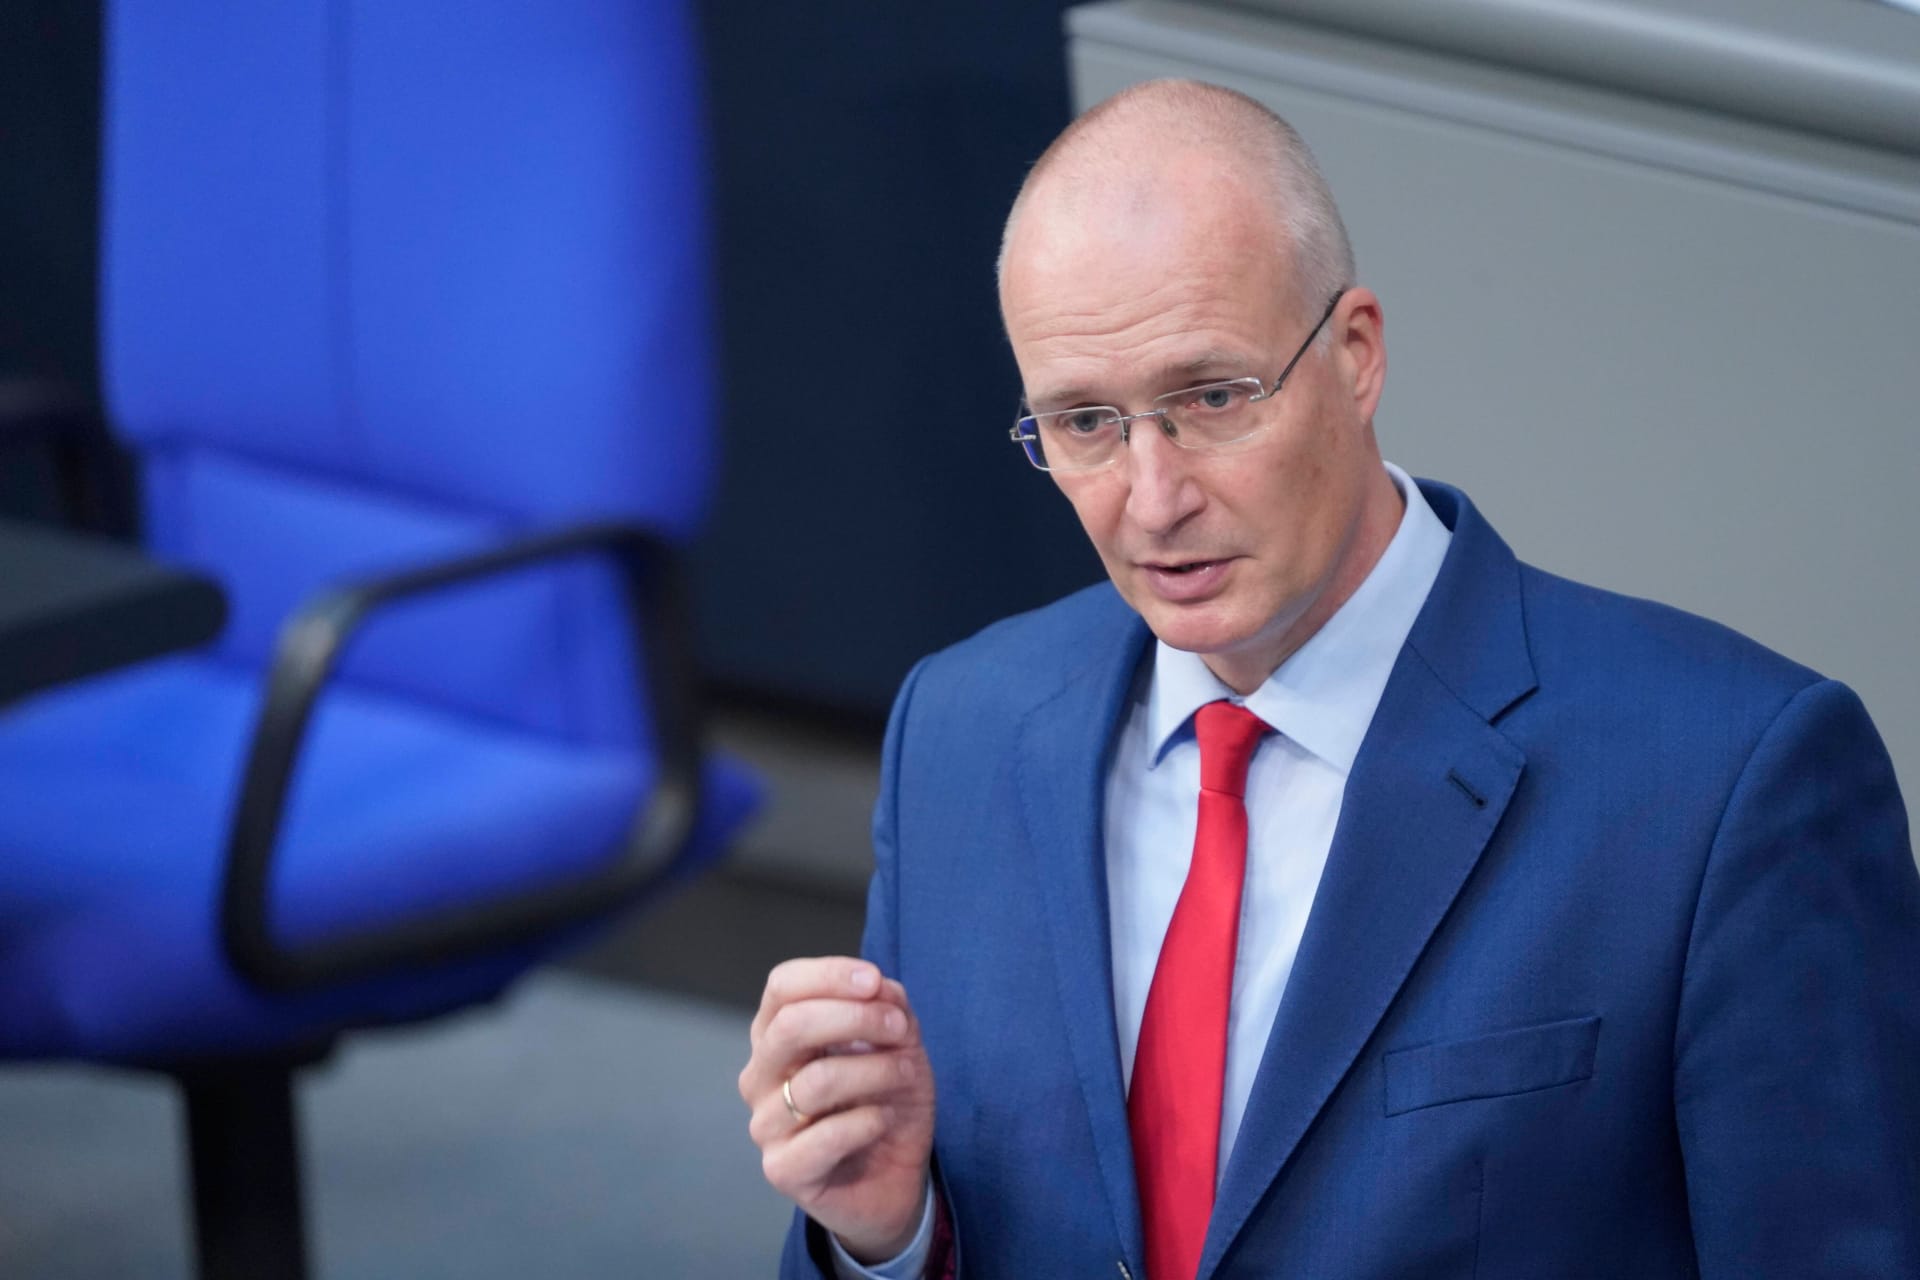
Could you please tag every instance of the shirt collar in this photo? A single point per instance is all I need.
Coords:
(1322, 697)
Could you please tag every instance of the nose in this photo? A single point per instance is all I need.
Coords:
(1161, 490)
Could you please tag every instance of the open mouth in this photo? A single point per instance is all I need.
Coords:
(1186, 581)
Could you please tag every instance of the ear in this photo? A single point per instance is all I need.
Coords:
(1360, 348)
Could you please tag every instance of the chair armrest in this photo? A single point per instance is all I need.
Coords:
(74, 606)
(309, 647)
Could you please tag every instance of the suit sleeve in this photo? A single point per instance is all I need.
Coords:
(807, 1255)
(1797, 1047)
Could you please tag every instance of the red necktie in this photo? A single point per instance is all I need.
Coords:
(1180, 1067)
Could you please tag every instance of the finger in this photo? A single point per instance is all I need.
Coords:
(827, 1085)
(771, 1122)
(812, 977)
(893, 993)
(810, 1028)
(799, 1167)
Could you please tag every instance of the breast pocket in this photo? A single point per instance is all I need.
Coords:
(1491, 1066)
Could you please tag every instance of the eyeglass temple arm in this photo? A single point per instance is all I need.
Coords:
(1311, 335)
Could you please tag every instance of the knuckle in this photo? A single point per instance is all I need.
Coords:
(776, 1023)
(823, 1089)
(777, 992)
(780, 1028)
(794, 974)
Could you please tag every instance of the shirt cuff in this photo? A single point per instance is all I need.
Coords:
(911, 1262)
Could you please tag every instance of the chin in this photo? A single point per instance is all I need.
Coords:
(1199, 630)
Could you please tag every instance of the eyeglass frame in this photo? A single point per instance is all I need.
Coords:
(1030, 443)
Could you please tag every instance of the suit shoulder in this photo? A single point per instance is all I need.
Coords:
(1587, 635)
(1028, 655)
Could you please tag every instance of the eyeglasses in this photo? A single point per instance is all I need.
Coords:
(1213, 415)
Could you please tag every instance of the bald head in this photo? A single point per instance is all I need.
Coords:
(1173, 250)
(1184, 140)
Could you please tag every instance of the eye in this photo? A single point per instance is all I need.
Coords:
(1083, 422)
(1219, 398)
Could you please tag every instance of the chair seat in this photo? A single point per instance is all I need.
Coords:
(119, 797)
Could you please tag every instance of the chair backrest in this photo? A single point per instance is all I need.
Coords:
(384, 283)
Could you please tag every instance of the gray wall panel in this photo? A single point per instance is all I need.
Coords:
(1839, 67)
(1679, 385)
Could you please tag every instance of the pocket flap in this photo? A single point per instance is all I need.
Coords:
(1491, 1066)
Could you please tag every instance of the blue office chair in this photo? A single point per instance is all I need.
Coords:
(404, 312)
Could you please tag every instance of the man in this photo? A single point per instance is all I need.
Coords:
(1332, 895)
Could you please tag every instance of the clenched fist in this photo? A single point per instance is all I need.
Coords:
(842, 1099)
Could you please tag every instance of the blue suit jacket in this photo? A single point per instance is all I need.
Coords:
(1612, 971)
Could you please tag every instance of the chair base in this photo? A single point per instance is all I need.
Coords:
(244, 1148)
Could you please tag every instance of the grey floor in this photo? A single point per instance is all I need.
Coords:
(581, 1129)
(588, 1126)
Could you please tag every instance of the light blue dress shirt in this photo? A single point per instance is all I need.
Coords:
(1319, 703)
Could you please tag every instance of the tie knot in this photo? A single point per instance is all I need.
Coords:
(1228, 735)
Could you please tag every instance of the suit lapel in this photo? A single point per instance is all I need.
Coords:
(1427, 791)
(1064, 748)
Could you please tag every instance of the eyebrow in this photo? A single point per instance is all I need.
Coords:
(1175, 375)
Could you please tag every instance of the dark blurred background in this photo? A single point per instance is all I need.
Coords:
(870, 508)
(49, 163)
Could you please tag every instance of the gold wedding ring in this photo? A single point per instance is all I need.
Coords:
(800, 1117)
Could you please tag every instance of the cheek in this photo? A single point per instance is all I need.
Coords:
(1287, 514)
(1098, 502)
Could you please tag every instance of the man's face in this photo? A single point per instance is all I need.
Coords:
(1239, 555)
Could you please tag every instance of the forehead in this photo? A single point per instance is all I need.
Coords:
(1120, 299)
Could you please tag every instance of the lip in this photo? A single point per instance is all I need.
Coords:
(1188, 586)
